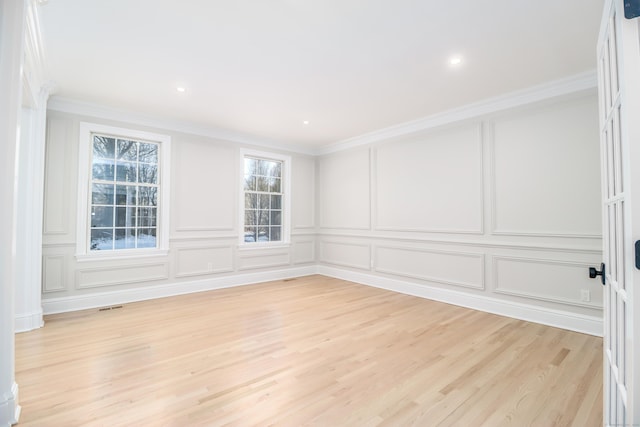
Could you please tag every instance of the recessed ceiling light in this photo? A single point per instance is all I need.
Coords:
(181, 89)
(455, 60)
(306, 122)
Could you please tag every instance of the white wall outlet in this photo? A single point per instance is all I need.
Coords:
(585, 295)
(209, 266)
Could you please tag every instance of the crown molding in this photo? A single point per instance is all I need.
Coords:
(72, 106)
(578, 84)
(566, 87)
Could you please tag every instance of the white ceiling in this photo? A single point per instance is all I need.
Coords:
(349, 67)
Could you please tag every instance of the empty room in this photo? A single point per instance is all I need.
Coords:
(329, 213)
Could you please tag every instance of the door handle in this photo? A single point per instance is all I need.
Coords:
(593, 273)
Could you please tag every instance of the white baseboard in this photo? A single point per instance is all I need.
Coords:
(29, 321)
(103, 299)
(591, 325)
(9, 408)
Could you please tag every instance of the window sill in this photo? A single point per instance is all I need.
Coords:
(242, 247)
(121, 255)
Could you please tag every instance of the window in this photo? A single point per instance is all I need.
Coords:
(265, 198)
(124, 194)
(123, 197)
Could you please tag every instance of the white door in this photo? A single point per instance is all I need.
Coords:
(619, 97)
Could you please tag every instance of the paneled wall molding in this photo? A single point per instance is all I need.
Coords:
(49, 245)
(345, 254)
(298, 228)
(203, 260)
(344, 191)
(304, 251)
(57, 203)
(427, 230)
(54, 273)
(516, 233)
(55, 232)
(96, 277)
(303, 182)
(106, 256)
(108, 298)
(430, 152)
(478, 284)
(572, 86)
(531, 295)
(202, 197)
(254, 259)
(567, 111)
(587, 324)
(175, 238)
(202, 228)
(503, 288)
(596, 250)
(322, 227)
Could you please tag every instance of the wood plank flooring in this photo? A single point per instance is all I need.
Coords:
(311, 351)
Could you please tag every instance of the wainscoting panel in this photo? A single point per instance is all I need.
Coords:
(53, 273)
(58, 204)
(431, 183)
(344, 190)
(450, 268)
(547, 280)
(304, 252)
(256, 258)
(203, 200)
(543, 178)
(303, 183)
(95, 277)
(203, 260)
(346, 254)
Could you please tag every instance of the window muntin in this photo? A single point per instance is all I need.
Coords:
(124, 191)
(263, 199)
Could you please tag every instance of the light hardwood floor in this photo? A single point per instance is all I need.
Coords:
(309, 351)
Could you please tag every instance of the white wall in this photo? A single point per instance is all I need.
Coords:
(500, 213)
(204, 227)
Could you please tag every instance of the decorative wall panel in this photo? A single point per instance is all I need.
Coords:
(450, 268)
(53, 273)
(544, 163)
(203, 260)
(432, 183)
(548, 280)
(346, 254)
(204, 198)
(344, 190)
(124, 274)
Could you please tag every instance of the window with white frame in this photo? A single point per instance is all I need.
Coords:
(265, 184)
(123, 198)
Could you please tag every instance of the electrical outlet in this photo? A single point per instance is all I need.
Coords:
(209, 266)
(585, 295)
